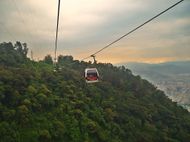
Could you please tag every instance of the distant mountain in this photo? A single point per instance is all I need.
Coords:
(172, 77)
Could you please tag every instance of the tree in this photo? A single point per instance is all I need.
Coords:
(44, 136)
(48, 59)
(64, 59)
(13, 55)
(21, 48)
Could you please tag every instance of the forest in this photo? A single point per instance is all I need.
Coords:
(39, 104)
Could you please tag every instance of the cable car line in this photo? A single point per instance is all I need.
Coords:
(151, 19)
(57, 31)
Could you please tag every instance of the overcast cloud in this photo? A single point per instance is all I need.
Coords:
(88, 25)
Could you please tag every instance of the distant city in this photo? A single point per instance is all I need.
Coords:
(171, 77)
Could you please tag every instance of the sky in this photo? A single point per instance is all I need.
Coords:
(88, 25)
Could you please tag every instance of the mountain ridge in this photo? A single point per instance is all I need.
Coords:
(39, 104)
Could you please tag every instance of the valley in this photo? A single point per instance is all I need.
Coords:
(172, 77)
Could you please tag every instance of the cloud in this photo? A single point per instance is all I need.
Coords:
(88, 25)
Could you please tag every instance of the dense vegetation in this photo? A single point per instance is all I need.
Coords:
(39, 104)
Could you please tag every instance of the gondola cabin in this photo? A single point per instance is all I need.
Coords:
(91, 75)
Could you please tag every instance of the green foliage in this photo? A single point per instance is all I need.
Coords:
(44, 136)
(13, 55)
(38, 104)
(48, 59)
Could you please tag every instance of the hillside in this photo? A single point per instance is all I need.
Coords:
(38, 104)
(171, 77)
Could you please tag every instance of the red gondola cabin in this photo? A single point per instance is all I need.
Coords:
(91, 75)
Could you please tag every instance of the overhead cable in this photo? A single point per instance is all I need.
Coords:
(57, 31)
(133, 30)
